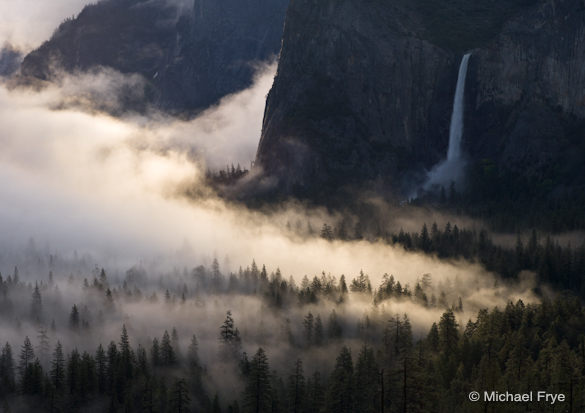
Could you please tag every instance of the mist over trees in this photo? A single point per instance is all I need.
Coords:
(558, 265)
(330, 344)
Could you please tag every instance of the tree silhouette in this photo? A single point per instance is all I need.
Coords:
(258, 394)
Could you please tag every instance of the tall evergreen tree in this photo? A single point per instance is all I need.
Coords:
(448, 332)
(175, 343)
(74, 319)
(44, 346)
(101, 369)
(155, 356)
(27, 356)
(308, 324)
(194, 366)
(57, 372)
(318, 333)
(340, 394)
(334, 330)
(7, 380)
(73, 373)
(366, 382)
(296, 389)
(315, 394)
(112, 370)
(230, 338)
(258, 392)
(180, 399)
(126, 354)
(167, 352)
(36, 308)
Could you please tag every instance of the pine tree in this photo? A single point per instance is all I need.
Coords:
(112, 356)
(57, 372)
(27, 356)
(148, 398)
(32, 380)
(161, 397)
(175, 343)
(7, 380)
(257, 395)
(366, 382)
(361, 284)
(296, 388)
(230, 338)
(227, 331)
(343, 291)
(448, 332)
(340, 397)
(44, 346)
(73, 372)
(216, 276)
(327, 232)
(87, 376)
(308, 324)
(101, 369)
(36, 309)
(433, 338)
(126, 354)
(74, 321)
(315, 393)
(397, 337)
(180, 399)
(167, 353)
(425, 240)
(194, 366)
(318, 334)
(142, 362)
(155, 356)
(334, 330)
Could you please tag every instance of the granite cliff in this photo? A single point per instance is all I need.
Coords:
(190, 56)
(364, 92)
(526, 111)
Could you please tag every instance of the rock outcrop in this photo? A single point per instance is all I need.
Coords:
(355, 97)
(190, 57)
(526, 109)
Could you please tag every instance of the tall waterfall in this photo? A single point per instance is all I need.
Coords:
(451, 169)
(456, 128)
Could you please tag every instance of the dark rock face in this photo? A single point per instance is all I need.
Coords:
(526, 107)
(190, 58)
(10, 59)
(364, 91)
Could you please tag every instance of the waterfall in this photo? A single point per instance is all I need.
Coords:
(451, 169)
(456, 128)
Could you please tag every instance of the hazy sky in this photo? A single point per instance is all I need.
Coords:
(27, 23)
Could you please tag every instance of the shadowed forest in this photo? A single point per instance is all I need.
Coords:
(253, 340)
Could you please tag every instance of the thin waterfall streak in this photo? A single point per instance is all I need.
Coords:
(457, 117)
(450, 170)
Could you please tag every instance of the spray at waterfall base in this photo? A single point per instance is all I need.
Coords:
(450, 171)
